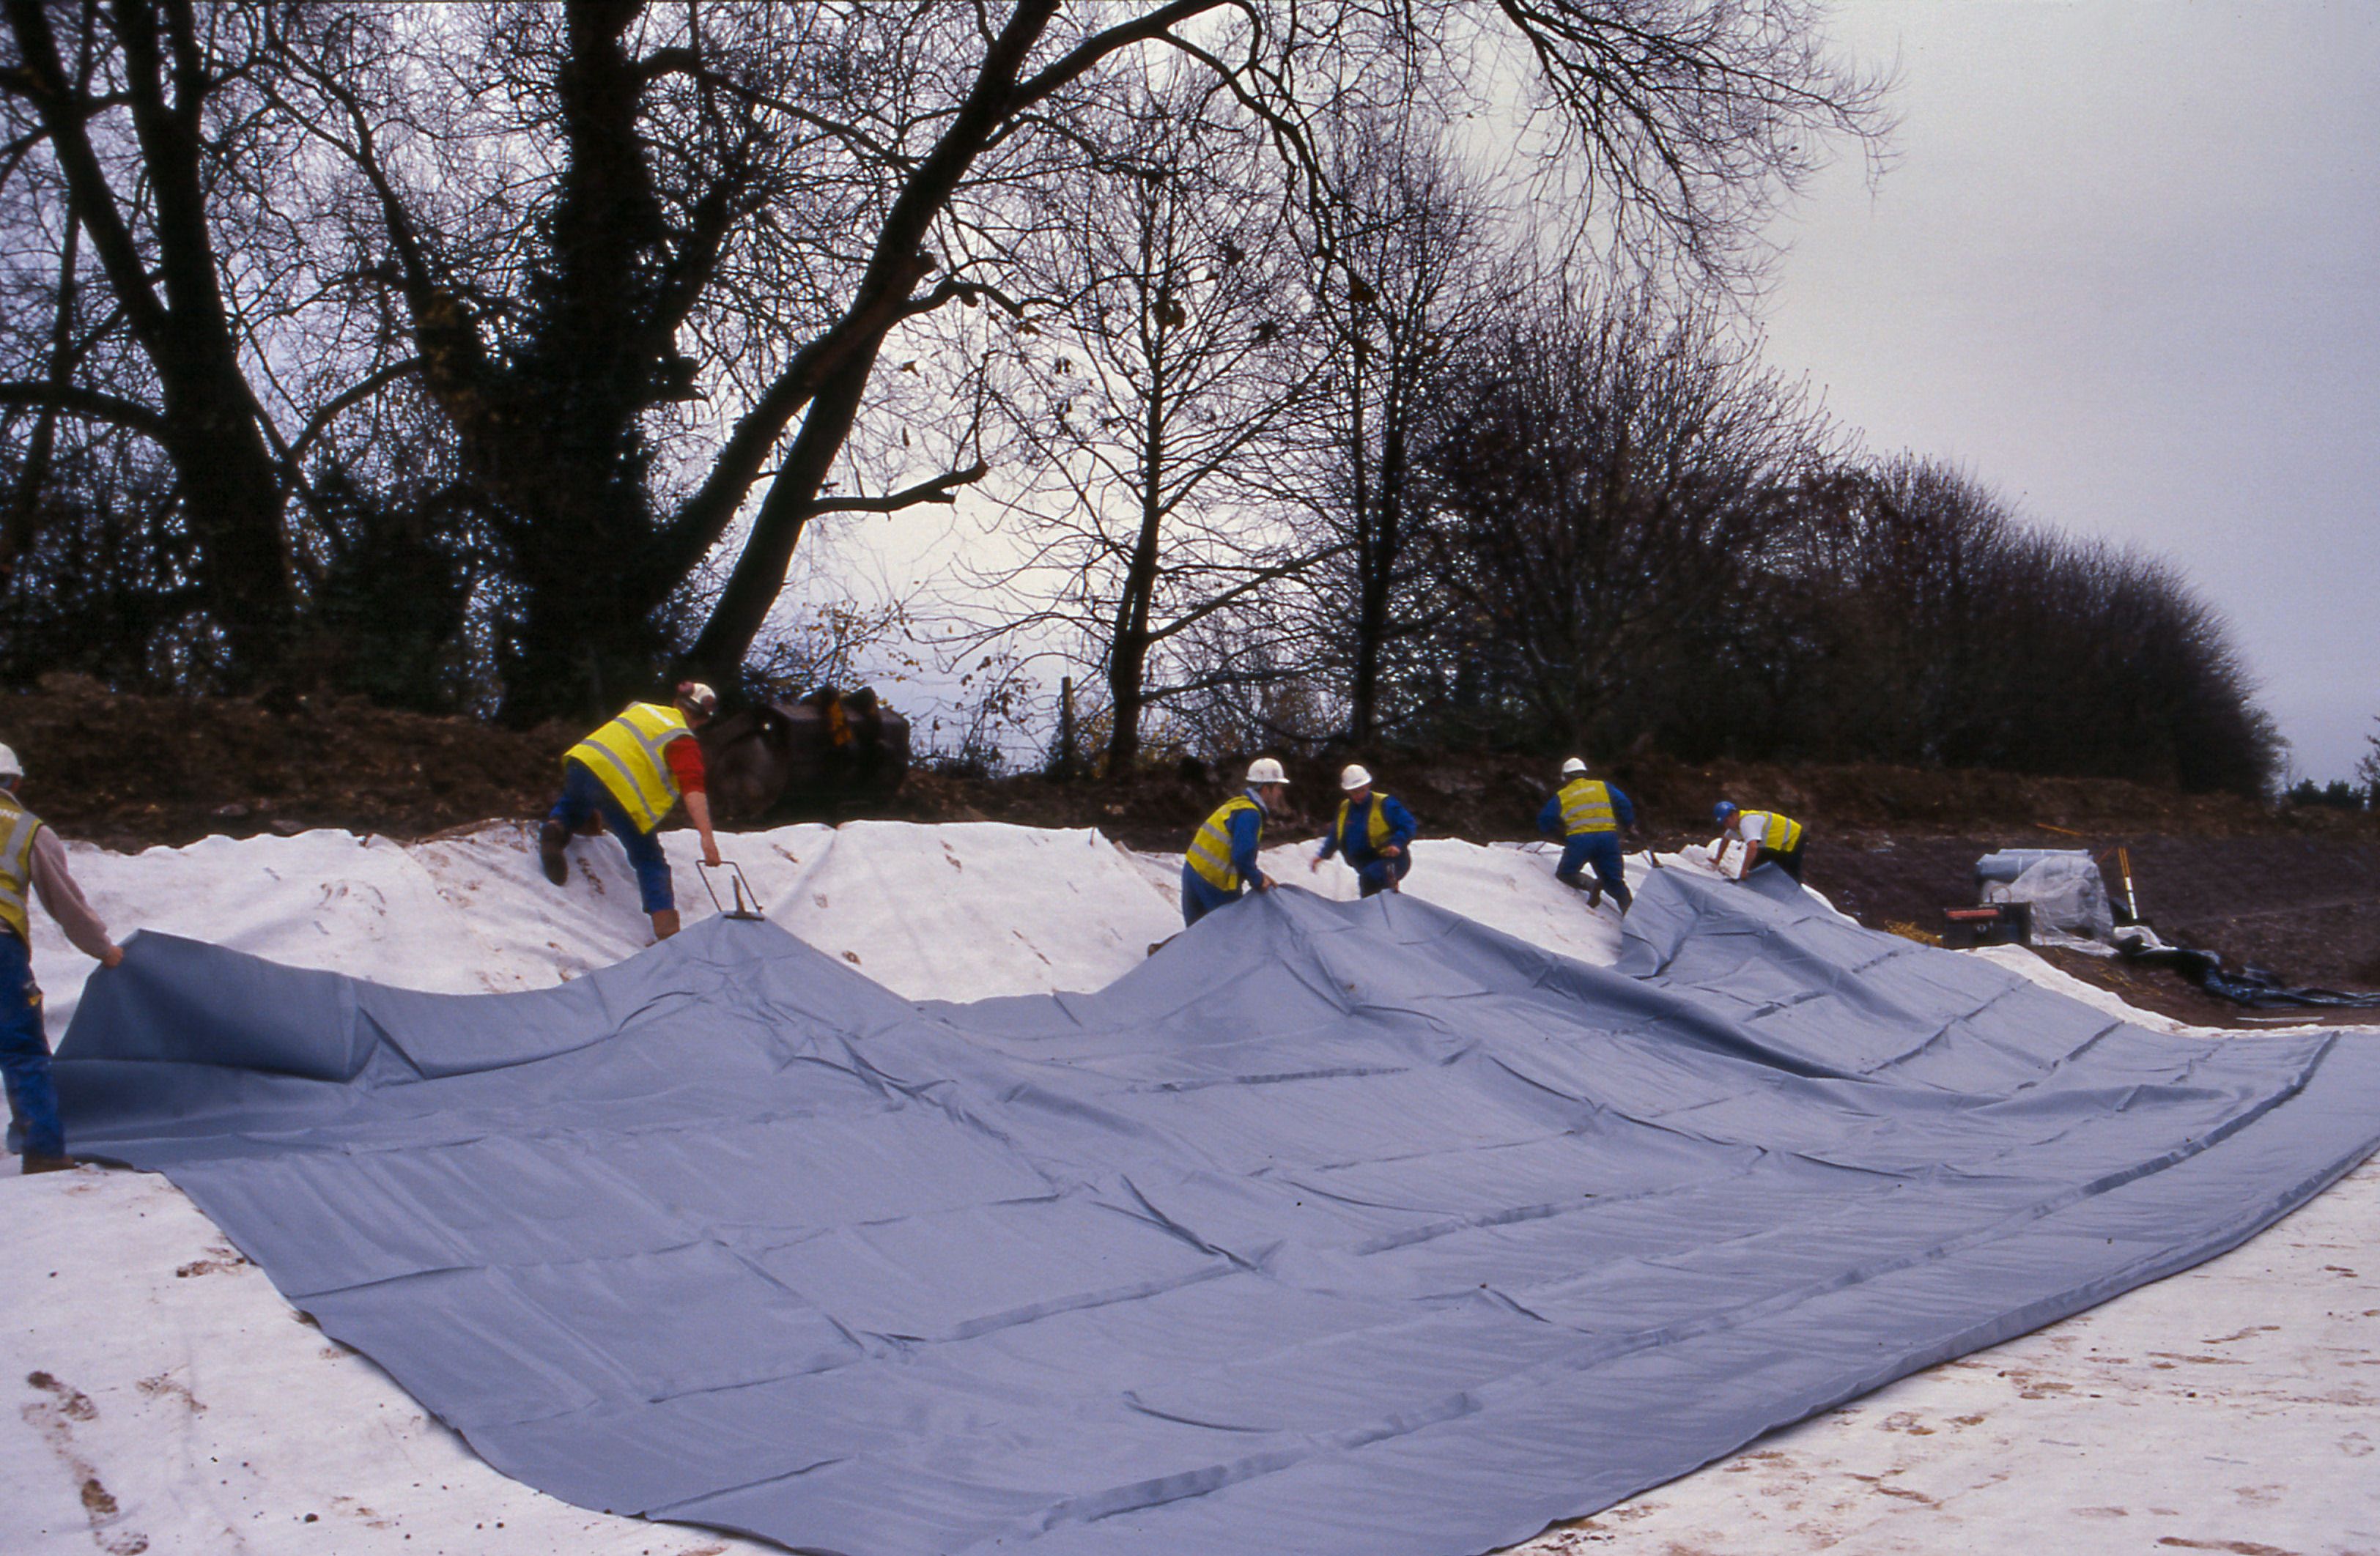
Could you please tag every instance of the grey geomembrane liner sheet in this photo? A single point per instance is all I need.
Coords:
(1335, 1227)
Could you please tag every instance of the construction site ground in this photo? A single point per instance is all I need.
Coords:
(170, 1399)
(2296, 889)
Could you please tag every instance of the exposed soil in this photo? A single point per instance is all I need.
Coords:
(2297, 890)
(128, 772)
(2306, 907)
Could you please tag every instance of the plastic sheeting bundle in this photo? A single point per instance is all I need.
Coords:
(2068, 898)
(1335, 1227)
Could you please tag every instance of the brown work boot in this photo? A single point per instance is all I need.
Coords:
(552, 838)
(43, 1162)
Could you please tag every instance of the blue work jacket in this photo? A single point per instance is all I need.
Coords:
(1352, 835)
(1234, 833)
(1550, 818)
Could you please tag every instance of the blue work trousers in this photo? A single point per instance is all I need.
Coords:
(1600, 849)
(25, 1054)
(1200, 897)
(1381, 875)
(584, 796)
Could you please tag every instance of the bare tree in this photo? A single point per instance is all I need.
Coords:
(905, 130)
(644, 259)
(135, 116)
(1880, 599)
(1603, 484)
(1149, 401)
(160, 225)
(1413, 272)
(1918, 618)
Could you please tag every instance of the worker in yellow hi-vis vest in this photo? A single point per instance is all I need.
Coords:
(1222, 861)
(624, 778)
(1589, 815)
(1373, 834)
(33, 863)
(1769, 834)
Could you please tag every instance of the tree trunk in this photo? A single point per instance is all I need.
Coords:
(1382, 542)
(1128, 651)
(760, 572)
(24, 514)
(897, 261)
(557, 436)
(1364, 681)
(230, 482)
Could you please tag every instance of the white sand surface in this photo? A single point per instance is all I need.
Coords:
(167, 1400)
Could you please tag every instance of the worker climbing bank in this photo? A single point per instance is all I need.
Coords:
(1589, 815)
(625, 778)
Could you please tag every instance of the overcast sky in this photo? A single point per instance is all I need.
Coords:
(2126, 269)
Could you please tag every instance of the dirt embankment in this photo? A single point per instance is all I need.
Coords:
(2294, 889)
(128, 772)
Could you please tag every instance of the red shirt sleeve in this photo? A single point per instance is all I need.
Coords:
(685, 756)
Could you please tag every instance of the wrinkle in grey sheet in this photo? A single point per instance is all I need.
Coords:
(1334, 1228)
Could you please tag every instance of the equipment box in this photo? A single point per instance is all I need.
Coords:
(1998, 923)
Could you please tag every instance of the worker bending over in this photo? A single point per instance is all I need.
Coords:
(626, 777)
(1223, 857)
(1589, 814)
(1373, 834)
(32, 861)
(1769, 834)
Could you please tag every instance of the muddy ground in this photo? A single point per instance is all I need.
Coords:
(2297, 890)
(2306, 907)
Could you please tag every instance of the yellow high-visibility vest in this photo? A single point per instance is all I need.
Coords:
(1210, 850)
(1586, 807)
(1376, 829)
(627, 756)
(1780, 834)
(17, 829)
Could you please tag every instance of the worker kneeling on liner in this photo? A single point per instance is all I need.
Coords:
(626, 777)
(1769, 834)
(1589, 814)
(1222, 858)
(1373, 834)
(34, 862)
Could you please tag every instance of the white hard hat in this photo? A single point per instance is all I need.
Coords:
(696, 694)
(1264, 769)
(1574, 767)
(1355, 778)
(9, 766)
